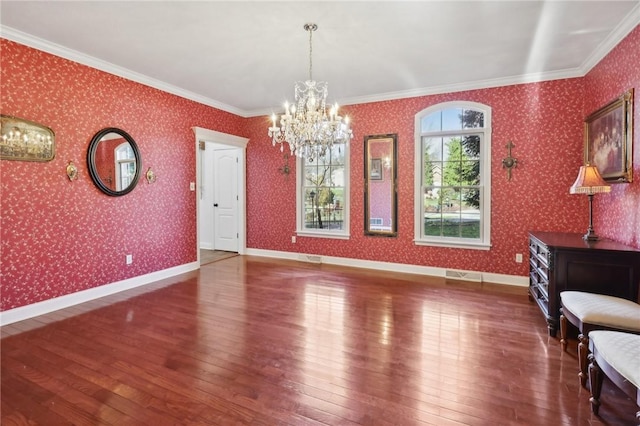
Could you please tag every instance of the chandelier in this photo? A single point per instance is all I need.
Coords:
(307, 126)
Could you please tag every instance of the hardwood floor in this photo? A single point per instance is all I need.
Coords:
(249, 340)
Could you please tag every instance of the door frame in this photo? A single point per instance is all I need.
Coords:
(231, 141)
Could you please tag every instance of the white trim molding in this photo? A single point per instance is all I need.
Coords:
(46, 306)
(207, 135)
(99, 64)
(486, 277)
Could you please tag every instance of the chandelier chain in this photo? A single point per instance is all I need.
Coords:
(311, 29)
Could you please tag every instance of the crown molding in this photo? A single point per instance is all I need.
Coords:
(616, 36)
(449, 88)
(619, 33)
(84, 59)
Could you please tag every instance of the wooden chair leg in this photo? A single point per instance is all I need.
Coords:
(583, 351)
(595, 381)
(563, 332)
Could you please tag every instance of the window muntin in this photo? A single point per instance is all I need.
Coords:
(453, 197)
(323, 194)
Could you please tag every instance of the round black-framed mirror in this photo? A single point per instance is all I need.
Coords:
(114, 161)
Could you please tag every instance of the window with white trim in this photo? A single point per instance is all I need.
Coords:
(453, 175)
(323, 194)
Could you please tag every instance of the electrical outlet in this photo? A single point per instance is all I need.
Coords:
(518, 257)
(129, 259)
(293, 239)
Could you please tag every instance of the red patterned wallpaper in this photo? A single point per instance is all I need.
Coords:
(617, 214)
(543, 120)
(59, 237)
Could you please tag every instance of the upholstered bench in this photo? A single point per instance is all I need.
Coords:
(617, 355)
(590, 311)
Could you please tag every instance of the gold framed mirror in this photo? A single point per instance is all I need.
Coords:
(380, 187)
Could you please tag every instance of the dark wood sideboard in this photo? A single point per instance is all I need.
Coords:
(564, 261)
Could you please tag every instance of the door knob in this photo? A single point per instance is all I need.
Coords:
(215, 204)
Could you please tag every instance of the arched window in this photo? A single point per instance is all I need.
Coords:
(453, 175)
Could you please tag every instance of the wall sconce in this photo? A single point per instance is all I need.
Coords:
(151, 176)
(72, 171)
(509, 162)
(285, 169)
(25, 140)
(589, 182)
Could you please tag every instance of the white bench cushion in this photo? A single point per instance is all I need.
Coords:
(600, 309)
(621, 351)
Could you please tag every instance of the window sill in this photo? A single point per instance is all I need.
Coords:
(322, 235)
(454, 244)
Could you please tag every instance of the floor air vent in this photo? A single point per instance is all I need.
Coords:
(311, 258)
(463, 275)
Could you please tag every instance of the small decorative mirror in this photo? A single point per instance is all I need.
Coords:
(114, 161)
(380, 189)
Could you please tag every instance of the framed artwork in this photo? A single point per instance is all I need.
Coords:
(25, 140)
(609, 138)
(375, 173)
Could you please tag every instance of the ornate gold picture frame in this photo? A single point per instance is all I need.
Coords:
(25, 140)
(609, 139)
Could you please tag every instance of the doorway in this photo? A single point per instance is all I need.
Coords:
(220, 192)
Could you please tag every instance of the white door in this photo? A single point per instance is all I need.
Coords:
(225, 200)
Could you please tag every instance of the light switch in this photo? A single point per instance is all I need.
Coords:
(192, 186)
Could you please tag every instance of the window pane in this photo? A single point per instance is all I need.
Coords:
(432, 225)
(453, 148)
(470, 173)
(324, 208)
(311, 177)
(452, 173)
(452, 119)
(431, 199)
(337, 177)
(432, 122)
(324, 182)
(472, 119)
(337, 154)
(471, 147)
(434, 147)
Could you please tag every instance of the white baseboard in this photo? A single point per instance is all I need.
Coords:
(46, 306)
(488, 277)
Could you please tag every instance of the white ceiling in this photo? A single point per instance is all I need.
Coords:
(244, 57)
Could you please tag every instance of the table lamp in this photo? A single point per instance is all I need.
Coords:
(589, 182)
